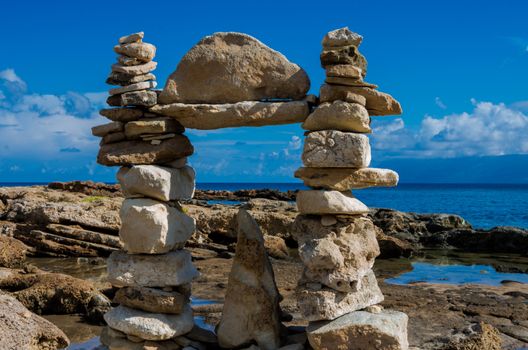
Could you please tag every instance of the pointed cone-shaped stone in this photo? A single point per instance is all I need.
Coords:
(251, 307)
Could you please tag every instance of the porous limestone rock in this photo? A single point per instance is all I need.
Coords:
(128, 61)
(140, 152)
(338, 115)
(142, 51)
(123, 79)
(377, 102)
(344, 179)
(144, 85)
(171, 269)
(103, 130)
(150, 326)
(145, 98)
(121, 114)
(22, 329)
(336, 149)
(113, 138)
(344, 55)
(328, 304)
(361, 330)
(233, 67)
(131, 38)
(163, 183)
(338, 255)
(135, 70)
(248, 113)
(151, 300)
(344, 71)
(341, 37)
(251, 308)
(152, 227)
(329, 202)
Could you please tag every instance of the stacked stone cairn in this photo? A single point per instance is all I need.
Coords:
(153, 272)
(338, 291)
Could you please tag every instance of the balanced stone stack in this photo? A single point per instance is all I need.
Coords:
(153, 271)
(338, 291)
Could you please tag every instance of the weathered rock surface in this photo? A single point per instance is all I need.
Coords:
(339, 115)
(135, 70)
(234, 67)
(328, 304)
(349, 82)
(162, 183)
(124, 79)
(12, 252)
(329, 202)
(344, 55)
(142, 51)
(341, 37)
(336, 149)
(361, 330)
(142, 152)
(152, 126)
(150, 326)
(248, 113)
(53, 293)
(121, 114)
(337, 255)
(131, 38)
(21, 329)
(144, 85)
(172, 269)
(152, 227)
(377, 102)
(344, 179)
(102, 130)
(151, 300)
(344, 71)
(251, 308)
(145, 98)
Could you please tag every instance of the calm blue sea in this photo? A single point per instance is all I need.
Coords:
(482, 205)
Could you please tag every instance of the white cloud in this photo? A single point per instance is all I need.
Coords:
(38, 126)
(490, 129)
(440, 103)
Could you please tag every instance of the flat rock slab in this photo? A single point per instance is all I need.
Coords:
(166, 270)
(151, 300)
(248, 113)
(135, 70)
(233, 67)
(361, 330)
(336, 149)
(345, 179)
(144, 98)
(149, 326)
(339, 115)
(144, 85)
(377, 102)
(153, 126)
(121, 114)
(344, 55)
(152, 227)
(124, 79)
(141, 152)
(131, 38)
(103, 130)
(322, 202)
(328, 304)
(341, 37)
(162, 183)
(142, 51)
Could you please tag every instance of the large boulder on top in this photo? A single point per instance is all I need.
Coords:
(232, 67)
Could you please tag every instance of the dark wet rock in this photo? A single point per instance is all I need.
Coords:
(245, 195)
(21, 329)
(502, 239)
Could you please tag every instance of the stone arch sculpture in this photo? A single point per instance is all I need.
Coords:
(230, 80)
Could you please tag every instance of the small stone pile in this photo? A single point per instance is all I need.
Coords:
(338, 291)
(153, 271)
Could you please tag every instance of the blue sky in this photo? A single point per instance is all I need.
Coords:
(459, 68)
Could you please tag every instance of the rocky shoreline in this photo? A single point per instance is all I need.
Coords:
(81, 220)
